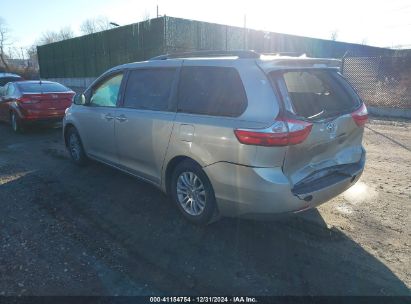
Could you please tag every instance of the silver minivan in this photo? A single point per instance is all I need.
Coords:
(225, 133)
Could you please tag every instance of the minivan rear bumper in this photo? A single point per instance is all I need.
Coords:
(250, 192)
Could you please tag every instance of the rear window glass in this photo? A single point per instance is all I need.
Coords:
(322, 93)
(216, 91)
(5, 80)
(42, 88)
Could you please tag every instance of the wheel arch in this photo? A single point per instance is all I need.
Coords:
(171, 165)
(67, 127)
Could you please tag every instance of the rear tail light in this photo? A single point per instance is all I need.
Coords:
(360, 116)
(27, 100)
(283, 132)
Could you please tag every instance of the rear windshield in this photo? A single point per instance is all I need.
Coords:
(42, 87)
(318, 93)
(5, 80)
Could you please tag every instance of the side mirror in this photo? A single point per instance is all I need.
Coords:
(79, 99)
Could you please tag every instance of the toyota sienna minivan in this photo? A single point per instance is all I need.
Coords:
(225, 133)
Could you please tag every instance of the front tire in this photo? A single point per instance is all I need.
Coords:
(193, 193)
(16, 123)
(75, 147)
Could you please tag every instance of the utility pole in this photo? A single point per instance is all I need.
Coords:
(157, 10)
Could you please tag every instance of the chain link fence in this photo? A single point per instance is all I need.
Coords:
(383, 81)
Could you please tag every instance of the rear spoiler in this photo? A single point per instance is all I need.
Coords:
(271, 63)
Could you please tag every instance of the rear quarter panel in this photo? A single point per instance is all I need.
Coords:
(213, 139)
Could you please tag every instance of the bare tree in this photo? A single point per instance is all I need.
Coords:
(47, 37)
(50, 36)
(4, 42)
(334, 35)
(15, 53)
(65, 33)
(31, 53)
(95, 25)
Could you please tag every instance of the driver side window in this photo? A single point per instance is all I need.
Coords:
(106, 94)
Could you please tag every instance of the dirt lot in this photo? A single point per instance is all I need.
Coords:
(66, 230)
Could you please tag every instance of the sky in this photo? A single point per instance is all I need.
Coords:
(378, 23)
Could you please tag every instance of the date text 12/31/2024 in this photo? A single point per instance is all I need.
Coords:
(203, 300)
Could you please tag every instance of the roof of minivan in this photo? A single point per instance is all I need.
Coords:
(281, 62)
(34, 81)
(266, 62)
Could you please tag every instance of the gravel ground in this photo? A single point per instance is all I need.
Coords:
(66, 230)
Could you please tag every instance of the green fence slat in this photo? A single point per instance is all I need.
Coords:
(91, 55)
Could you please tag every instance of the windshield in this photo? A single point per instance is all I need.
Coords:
(44, 87)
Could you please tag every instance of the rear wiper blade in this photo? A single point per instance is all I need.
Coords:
(316, 115)
(324, 113)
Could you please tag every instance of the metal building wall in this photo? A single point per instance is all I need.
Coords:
(90, 55)
(189, 35)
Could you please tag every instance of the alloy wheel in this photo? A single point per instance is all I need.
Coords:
(191, 193)
(74, 145)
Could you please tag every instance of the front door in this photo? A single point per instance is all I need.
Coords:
(97, 117)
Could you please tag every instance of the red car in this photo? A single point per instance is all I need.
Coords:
(26, 102)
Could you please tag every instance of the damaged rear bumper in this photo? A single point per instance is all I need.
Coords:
(262, 192)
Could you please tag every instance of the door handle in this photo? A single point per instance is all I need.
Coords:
(121, 118)
(108, 116)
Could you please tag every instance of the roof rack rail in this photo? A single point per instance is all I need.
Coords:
(239, 54)
(291, 54)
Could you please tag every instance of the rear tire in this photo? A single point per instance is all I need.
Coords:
(75, 147)
(16, 123)
(193, 193)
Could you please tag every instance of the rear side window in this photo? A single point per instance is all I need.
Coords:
(43, 87)
(216, 91)
(149, 89)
